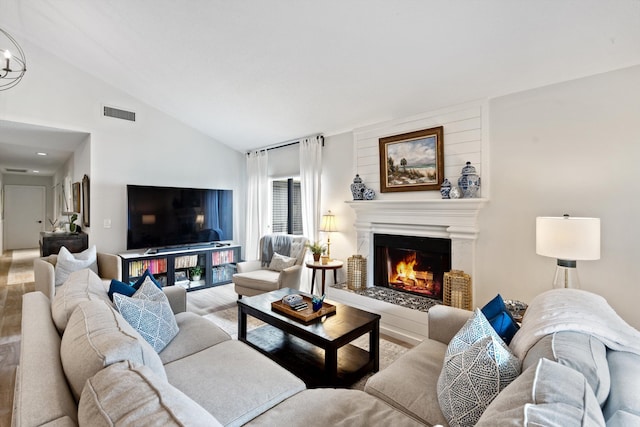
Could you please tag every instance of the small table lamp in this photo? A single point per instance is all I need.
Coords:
(568, 239)
(328, 225)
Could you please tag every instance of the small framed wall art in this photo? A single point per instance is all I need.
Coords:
(76, 197)
(85, 201)
(412, 161)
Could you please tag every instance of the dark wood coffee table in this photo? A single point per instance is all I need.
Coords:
(319, 352)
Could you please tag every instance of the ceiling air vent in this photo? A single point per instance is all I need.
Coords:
(119, 114)
(15, 170)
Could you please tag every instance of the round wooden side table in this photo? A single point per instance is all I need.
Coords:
(334, 265)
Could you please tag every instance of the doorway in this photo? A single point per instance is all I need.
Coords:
(24, 216)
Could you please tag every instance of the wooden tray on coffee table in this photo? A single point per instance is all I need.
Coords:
(307, 314)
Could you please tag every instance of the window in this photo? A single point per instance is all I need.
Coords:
(286, 209)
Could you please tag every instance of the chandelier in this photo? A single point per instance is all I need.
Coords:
(12, 61)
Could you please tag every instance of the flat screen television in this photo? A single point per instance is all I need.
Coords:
(167, 217)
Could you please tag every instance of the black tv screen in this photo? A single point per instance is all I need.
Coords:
(167, 216)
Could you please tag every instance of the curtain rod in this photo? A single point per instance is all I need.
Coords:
(287, 143)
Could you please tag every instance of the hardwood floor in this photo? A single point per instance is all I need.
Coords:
(10, 326)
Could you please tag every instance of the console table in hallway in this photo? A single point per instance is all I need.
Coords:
(51, 242)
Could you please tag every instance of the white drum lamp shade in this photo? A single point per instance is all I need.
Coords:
(568, 239)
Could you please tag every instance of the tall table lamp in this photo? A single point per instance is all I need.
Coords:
(568, 239)
(328, 225)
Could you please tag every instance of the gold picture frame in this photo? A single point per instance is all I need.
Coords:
(412, 161)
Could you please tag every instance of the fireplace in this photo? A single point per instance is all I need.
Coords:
(411, 263)
(454, 220)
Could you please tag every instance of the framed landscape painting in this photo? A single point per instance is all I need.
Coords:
(412, 161)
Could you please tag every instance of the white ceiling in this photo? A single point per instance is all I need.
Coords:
(257, 72)
(20, 143)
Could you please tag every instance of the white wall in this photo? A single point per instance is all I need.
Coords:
(337, 175)
(573, 148)
(284, 162)
(155, 150)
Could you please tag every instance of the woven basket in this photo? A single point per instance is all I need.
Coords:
(356, 272)
(457, 290)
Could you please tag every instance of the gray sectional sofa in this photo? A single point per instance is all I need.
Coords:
(81, 363)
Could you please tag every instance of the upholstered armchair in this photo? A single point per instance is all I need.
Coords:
(271, 271)
(109, 267)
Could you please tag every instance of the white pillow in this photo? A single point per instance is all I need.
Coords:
(477, 366)
(149, 312)
(67, 263)
(280, 262)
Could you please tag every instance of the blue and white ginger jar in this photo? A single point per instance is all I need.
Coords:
(469, 182)
(357, 188)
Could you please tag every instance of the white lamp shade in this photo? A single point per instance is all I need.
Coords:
(328, 223)
(568, 238)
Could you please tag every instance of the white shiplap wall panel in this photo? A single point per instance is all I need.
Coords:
(465, 139)
(464, 125)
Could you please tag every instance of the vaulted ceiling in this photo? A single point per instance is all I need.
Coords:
(257, 72)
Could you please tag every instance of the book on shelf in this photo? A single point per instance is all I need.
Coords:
(223, 257)
(186, 261)
(155, 266)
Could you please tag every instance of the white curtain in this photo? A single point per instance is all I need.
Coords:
(257, 202)
(310, 172)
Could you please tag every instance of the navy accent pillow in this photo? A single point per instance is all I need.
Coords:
(128, 290)
(119, 287)
(500, 319)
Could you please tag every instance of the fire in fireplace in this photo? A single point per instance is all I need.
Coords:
(411, 264)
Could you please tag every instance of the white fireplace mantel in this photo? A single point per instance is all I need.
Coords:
(453, 216)
(455, 219)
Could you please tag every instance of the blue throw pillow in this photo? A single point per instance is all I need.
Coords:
(128, 290)
(500, 319)
(119, 287)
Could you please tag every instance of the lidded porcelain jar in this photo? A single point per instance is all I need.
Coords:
(445, 189)
(357, 188)
(469, 182)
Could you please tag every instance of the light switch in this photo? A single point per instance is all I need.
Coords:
(107, 223)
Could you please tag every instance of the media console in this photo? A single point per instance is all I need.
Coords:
(175, 266)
